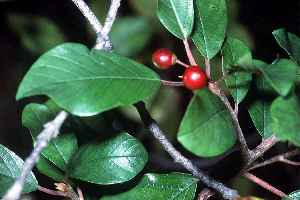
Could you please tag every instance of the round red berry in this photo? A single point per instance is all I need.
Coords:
(163, 58)
(194, 78)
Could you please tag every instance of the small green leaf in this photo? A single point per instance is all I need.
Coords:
(140, 32)
(112, 161)
(60, 150)
(261, 117)
(10, 168)
(177, 16)
(86, 82)
(285, 112)
(49, 169)
(174, 186)
(206, 129)
(210, 26)
(236, 54)
(36, 33)
(281, 75)
(289, 42)
(293, 196)
(260, 81)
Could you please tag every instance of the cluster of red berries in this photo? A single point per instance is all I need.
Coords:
(194, 77)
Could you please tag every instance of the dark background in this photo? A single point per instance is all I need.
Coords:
(250, 20)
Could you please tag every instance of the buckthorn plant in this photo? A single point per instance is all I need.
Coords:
(125, 118)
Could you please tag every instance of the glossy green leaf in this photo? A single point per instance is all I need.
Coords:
(112, 161)
(289, 42)
(281, 75)
(261, 117)
(206, 129)
(236, 54)
(293, 196)
(36, 33)
(174, 186)
(177, 16)
(60, 150)
(285, 114)
(10, 168)
(86, 82)
(210, 26)
(260, 81)
(130, 41)
(49, 169)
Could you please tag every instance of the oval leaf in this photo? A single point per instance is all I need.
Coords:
(112, 161)
(88, 82)
(210, 26)
(281, 75)
(49, 169)
(60, 150)
(177, 16)
(10, 168)
(285, 113)
(289, 42)
(174, 186)
(206, 129)
(261, 117)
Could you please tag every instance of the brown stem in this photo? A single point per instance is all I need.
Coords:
(278, 158)
(214, 88)
(189, 52)
(51, 192)
(172, 83)
(264, 184)
(264, 146)
(205, 194)
(179, 62)
(208, 68)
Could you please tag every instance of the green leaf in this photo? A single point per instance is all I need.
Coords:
(293, 196)
(177, 16)
(260, 81)
(239, 84)
(140, 32)
(60, 150)
(206, 129)
(281, 75)
(210, 26)
(285, 114)
(36, 33)
(10, 168)
(260, 114)
(236, 54)
(140, 6)
(49, 169)
(86, 82)
(289, 42)
(112, 161)
(174, 186)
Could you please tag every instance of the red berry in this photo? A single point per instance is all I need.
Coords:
(194, 78)
(163, 58)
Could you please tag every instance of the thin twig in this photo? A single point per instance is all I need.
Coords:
(80, 193)
(189, 52)
(172, 83)
(264, 146)
(264, 184)
(179, 62)
(208, 68)
(205, 194)
(214, 88)
(51, 130)
(103, 41)
(279, 158)
(154, 128)
(51, 192)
